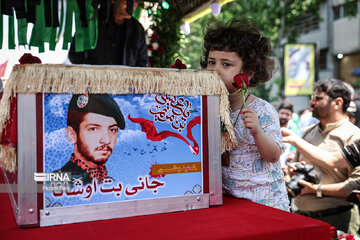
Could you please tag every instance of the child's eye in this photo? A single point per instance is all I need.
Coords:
(226, 64)
(211, 63)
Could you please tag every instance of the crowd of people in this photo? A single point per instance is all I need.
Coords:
(326, 199)
(324, 139)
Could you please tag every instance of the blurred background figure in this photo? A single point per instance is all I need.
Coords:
(285, 111)
(306, 120)
(121, 38)
(353, 112)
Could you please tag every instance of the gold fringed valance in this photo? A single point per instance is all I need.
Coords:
(38, 78)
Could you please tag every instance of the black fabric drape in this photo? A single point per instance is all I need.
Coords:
(30, 16)
(47, 10)
(20, 9)
(55, 14)
(82, 9)
(6, 7)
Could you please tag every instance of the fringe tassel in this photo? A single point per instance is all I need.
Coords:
(227, 143)
(8, 158)
(53, 78)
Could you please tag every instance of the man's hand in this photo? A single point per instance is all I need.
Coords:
(288, 136)
(309, 188)
(292, 168)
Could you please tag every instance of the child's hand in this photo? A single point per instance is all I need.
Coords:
(251, 121)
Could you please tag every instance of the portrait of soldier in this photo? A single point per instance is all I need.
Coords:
(92, 126)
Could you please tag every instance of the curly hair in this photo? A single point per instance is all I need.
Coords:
(241, 36)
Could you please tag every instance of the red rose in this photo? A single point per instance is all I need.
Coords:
(239, 81)
(160, 49)
(333, 232)
(178, 64)
(27, 58)
(150, 47)
(151, 62)
(154, 37)
(347, 236)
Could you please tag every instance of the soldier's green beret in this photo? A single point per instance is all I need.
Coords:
(98, 103)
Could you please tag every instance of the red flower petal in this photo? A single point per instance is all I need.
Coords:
(27, 58)
(154, 37)
(347, 236)
(333, 232)
(151, 62)
(178, 64)
(160, 49)
(239, 81)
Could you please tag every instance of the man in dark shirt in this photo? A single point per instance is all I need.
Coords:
(121, 39)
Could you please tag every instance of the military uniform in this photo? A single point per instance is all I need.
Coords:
(80, 171)
(95, 103)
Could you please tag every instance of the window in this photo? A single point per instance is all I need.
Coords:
(350, 8)
(323, 59)
(307, 23)
(337, 12)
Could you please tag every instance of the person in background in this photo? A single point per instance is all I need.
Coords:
(353, 112)
(328, 203)
(253, 171)
(351, 89)
(306, 120)
(285, 111)
(121, 39)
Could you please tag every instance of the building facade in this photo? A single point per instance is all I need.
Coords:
(337, 39)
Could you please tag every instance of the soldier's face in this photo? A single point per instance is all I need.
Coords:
(96, 138)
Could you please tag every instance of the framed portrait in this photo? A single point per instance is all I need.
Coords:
(157, 154)
(118, 147)
(299, 69)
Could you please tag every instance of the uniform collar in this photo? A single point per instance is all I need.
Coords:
(99, 173)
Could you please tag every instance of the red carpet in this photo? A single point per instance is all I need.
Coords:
(235, 219)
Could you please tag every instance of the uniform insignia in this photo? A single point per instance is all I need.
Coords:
(82, 100)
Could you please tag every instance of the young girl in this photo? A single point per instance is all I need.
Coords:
(254, 171)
